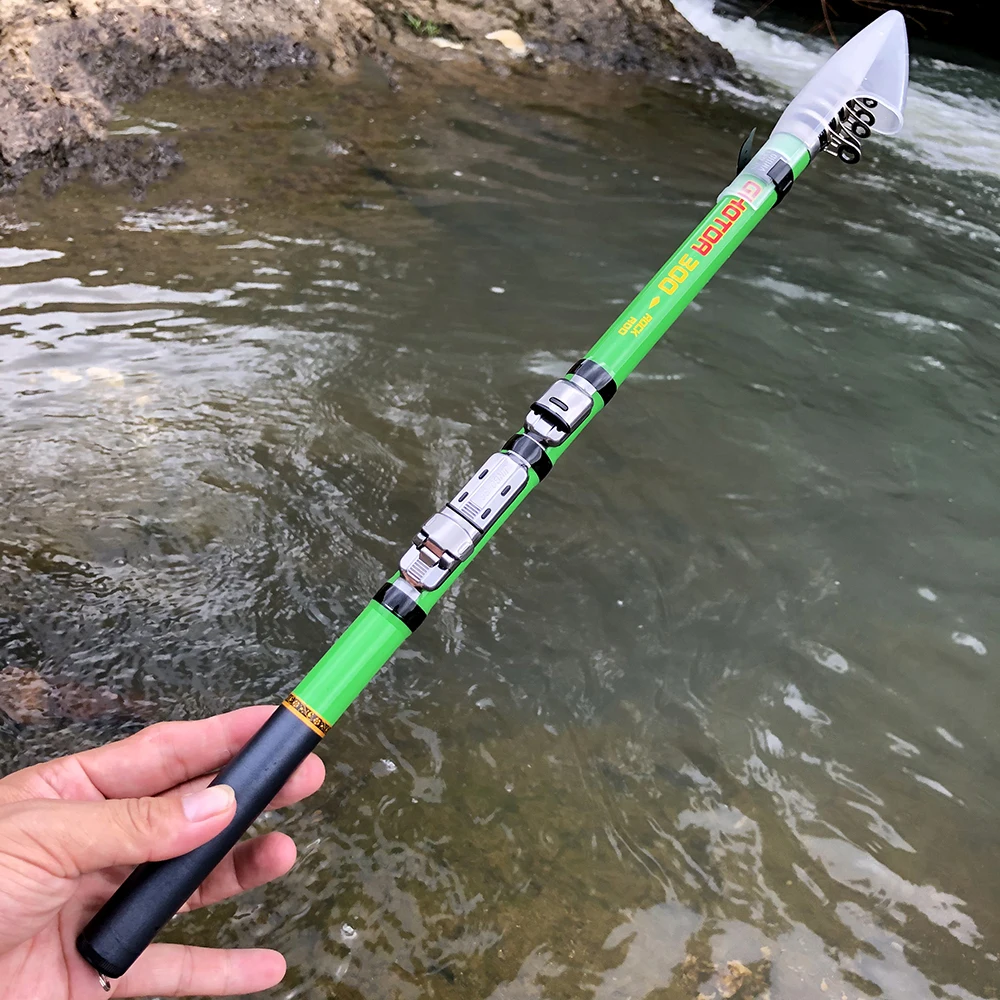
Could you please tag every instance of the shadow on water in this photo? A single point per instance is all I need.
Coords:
(715, 716)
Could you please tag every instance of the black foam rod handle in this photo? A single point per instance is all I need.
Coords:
(127, 923)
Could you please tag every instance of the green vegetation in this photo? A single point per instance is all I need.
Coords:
(419, 27)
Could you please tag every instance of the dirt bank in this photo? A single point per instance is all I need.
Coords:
(67, 65)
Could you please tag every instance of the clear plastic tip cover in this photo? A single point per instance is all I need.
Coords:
(875, 63)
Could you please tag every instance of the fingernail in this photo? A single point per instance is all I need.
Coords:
(207, 803)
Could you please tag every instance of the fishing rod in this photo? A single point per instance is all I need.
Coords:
(860, 89)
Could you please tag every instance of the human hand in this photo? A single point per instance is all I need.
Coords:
(72, 828)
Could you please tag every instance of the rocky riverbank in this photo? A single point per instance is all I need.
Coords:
(66, 66)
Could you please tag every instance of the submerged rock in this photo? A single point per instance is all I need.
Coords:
(29, 699)
(30, 696)
(67, 65)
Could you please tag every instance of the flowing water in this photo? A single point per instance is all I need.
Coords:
(723, 691)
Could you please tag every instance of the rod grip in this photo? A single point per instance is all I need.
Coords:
(122, 929)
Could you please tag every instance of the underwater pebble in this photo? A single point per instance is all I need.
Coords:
(106, 375)
(383, 767)
(826, 657)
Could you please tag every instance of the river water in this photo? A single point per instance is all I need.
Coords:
(723, 691)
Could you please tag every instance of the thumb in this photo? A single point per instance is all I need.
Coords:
(74, 838)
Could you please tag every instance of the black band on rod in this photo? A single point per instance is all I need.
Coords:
(782, 177)
(402, 606)
(598, 377)
(532, 452)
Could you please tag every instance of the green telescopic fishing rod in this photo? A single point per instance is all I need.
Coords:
(860, 89)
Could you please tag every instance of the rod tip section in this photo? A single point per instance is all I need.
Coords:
(875, 64)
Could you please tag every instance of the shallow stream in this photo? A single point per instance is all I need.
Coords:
(725, 690)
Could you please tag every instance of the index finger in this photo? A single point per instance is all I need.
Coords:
(175, 970)
(164, 755)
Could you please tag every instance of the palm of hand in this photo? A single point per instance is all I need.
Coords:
(41, 911)
(64, 824)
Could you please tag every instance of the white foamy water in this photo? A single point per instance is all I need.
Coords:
(950, 131)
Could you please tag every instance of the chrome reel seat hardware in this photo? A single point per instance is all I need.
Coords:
(449, 537)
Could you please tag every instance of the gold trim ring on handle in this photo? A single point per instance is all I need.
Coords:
(311, 718)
